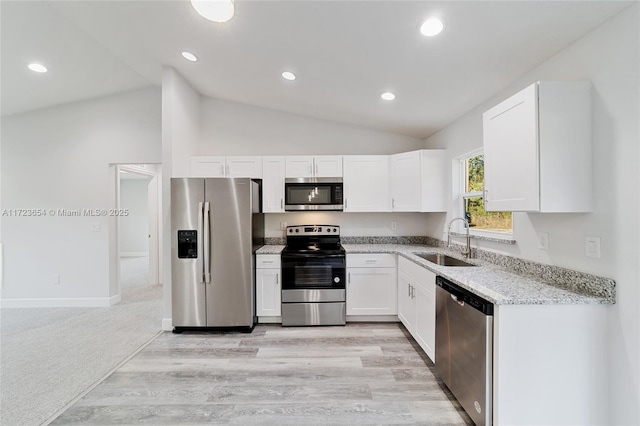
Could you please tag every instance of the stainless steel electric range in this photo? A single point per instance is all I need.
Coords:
(313, 276)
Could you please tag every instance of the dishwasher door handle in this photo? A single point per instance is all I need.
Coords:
(454, 297)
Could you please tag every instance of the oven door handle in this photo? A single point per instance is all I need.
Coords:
(312, 255)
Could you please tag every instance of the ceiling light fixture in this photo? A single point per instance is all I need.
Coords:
(431, 27)
(214, 10)
(37, 67)
(388, 96)
(189, 56)
(288, 76)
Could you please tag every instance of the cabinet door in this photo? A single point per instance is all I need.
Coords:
(268, 300)
(273, 184)
(244, 167)
(371, 291)
(425, 299)
(299, 166)
(406, 303)
(510, 139)
(328, 166)
(207, 166)
(405, 182)
(366, 183)
(434, 184)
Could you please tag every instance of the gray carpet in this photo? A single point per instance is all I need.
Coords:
(49, 356)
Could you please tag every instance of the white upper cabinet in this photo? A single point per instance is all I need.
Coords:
(366, 183)
(314, 166)
(208, 167)
(537, 150)
(231, 167)
(419, 181)
(273, 184)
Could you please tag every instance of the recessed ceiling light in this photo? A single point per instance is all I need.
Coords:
(37, 67)
(388, 96)
(214, 10)
(431, 27)
(288, 76)
(189, 56)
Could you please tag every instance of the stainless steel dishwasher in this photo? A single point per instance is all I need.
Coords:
(464, 340)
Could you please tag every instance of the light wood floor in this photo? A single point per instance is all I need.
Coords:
(357, 374)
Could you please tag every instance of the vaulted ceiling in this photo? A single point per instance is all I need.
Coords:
(344, 53)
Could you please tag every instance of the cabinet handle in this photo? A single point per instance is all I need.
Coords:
(267, 261)
(345, 203)
(222, 170)
(310, 169)
(408, 290)
(349, 278)
(277, 278)
(393, 203)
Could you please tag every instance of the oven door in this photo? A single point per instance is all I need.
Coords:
(307, 271)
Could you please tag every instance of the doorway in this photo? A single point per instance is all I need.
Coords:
(137, 229)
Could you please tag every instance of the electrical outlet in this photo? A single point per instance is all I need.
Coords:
(394, 225)
(283, 226)
(543, 240)
(592, 246)
(56, 279)
(95, 227)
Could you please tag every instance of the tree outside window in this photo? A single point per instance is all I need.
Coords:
(473, 202)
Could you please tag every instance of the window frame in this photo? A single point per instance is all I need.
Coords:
(463, 195)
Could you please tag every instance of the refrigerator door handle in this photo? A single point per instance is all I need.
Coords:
(200, 243)
(207, 243)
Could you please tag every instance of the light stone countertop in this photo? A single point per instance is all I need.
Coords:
(491, 282)
(270, 249)
(488, 281)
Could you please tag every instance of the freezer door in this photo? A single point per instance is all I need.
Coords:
(230, 294)
(187, 284)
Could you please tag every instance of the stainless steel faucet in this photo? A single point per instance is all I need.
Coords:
(466, 253)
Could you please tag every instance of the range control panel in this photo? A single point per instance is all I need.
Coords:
(309, 230)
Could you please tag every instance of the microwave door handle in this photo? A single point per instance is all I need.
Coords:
(207, 243)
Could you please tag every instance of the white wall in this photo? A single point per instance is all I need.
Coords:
(58, 158)
(609, 57)
(353, 224)
(134, 227)
(231, 128)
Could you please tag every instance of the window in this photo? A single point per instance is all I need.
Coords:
(472, 202)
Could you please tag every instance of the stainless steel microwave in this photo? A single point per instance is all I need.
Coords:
(313, 194)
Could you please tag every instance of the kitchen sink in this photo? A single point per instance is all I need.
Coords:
(443, 259)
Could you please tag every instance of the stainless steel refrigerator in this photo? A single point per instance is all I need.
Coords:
(216, 226)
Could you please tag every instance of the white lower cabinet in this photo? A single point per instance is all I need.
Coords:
(417, 303)
(371, 284)
(268, 285)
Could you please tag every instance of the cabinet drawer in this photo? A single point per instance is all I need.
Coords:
(371, 260)
(414, 270)
(264, 261)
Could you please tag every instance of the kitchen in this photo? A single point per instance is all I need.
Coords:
(604, 56)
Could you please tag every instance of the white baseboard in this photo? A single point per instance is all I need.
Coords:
(167, 324)
(270, 320)
(372, 318)
(88, 302)
(134, 254)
